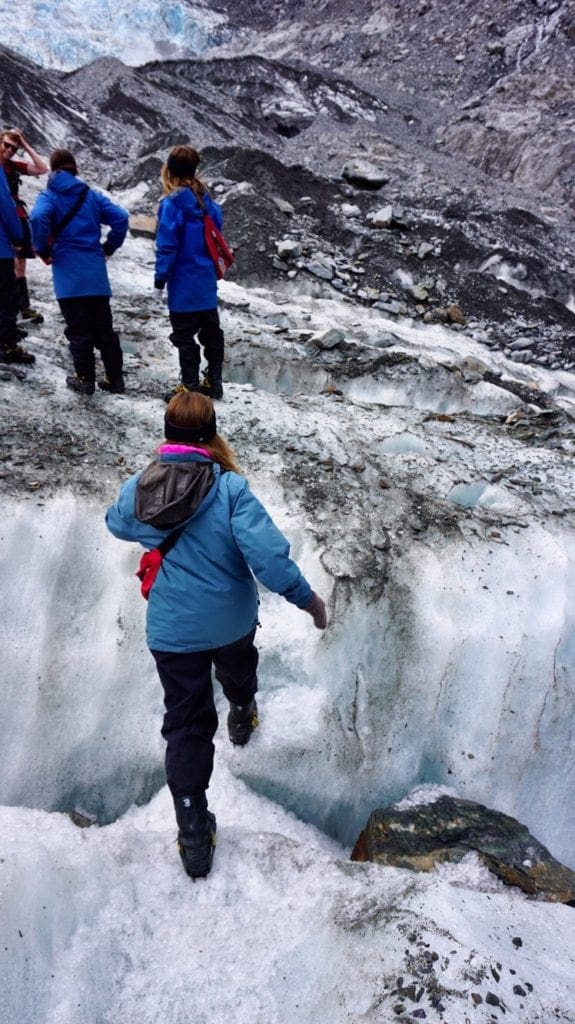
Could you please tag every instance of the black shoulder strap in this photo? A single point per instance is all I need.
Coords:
(169, 541)
(71, 212)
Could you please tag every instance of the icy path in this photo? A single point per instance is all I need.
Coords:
(100, 926)
(446, 549)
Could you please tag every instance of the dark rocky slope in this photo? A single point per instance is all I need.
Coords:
(408, 158)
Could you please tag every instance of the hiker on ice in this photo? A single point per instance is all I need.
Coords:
(203, 605)
(10, 142)
(66, 224)
(11, 241)
(184, 263)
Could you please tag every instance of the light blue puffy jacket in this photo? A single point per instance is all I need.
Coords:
(182, 258)
(79, 264)
(205, 595)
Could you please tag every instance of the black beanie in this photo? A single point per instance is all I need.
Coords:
(175, 432)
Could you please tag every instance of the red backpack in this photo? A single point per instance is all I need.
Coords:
(151, 561)
(216, 244)
(217, 247)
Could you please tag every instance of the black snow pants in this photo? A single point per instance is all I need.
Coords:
(88, 326)
(191, 720)
(8, 304)
(206, 324)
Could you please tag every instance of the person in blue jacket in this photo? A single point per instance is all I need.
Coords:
(183, 262)
(11, 239)
(203, 605)
(66, 224)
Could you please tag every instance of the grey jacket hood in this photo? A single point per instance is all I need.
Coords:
(168, 493)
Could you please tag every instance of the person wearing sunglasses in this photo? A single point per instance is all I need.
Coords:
(11, 141)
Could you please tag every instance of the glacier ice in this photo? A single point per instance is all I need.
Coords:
(66, 35)
(449, 662)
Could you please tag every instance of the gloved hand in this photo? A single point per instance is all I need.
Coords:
(108, 248)
(160, 298)
(316, 608)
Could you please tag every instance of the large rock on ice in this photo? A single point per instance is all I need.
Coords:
(448, 829)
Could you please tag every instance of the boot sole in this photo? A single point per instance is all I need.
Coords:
(172, 394)
(216, 396)
(18, 360)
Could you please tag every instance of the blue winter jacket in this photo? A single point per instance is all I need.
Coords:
(78, 256)
(204, 595)
(182, 258)
(10, 226)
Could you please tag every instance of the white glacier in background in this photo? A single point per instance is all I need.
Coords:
(66, 35)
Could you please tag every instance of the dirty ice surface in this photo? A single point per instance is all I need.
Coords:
(467, 660)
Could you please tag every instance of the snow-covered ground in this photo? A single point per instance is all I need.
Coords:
(100, 926)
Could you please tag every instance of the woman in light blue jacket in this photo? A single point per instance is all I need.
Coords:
(203, 605)
(66, 224)
(183, 262)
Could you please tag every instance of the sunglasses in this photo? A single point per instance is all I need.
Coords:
(10, 145)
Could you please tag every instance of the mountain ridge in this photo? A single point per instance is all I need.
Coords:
(475, 160)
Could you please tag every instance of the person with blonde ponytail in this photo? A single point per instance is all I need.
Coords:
(203, 605)
(185, 265)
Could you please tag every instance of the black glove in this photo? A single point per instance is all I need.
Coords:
(108, 248)
(159, 284)
(316, 608)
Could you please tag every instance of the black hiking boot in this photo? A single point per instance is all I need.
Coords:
(212, 387)
(32, 315)
(117, 386)
(193, 386)
(242, 720)
(15, 354)
(196, 835)
(24, 307)
(80, 385)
